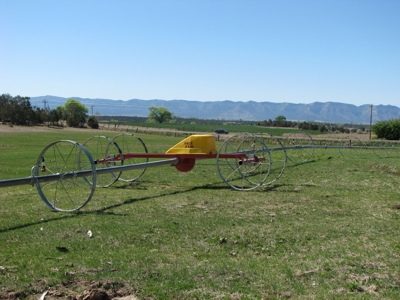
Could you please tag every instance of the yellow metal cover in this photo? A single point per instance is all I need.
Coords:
(199, 144)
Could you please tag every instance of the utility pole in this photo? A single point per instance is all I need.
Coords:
(92, 109)
(370, 122)
(45, 102)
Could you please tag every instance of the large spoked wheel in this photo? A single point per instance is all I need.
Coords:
(64, 172)
(278, 157)
(299, 147)
(243, 162)
(129, 143)
(381, 149)
(106, 154)
(351, 147)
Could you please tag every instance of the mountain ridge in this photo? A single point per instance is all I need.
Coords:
(333, 112)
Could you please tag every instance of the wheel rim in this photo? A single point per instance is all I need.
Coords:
(351, 147)
(129, 143)
(248, 173)
(278, 157)
(105, 154)
(381, 149)
(299, 147)
(68, 191)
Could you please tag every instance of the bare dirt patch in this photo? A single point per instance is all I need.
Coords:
(7, 129)
(17, 129)
(360, 136)
(89, 291)
(4, 128)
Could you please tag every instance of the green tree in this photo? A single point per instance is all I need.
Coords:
(20, 111)
(75, 113)
(322, 128)
(280, 119)
(60, 111)
(55, 115)
(389, 130)
(5, 107)
(93, 122)
(160, 114)
(38, 115)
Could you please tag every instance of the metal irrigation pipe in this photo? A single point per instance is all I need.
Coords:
(84, 173)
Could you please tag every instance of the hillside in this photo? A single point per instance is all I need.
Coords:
(229, 110)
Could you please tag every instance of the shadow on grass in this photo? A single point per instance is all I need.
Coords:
(130, 201)
(294, 165)
(137, 184)
(103, 210)
(285, 188)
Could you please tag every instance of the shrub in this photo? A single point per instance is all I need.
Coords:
(93, 122)
(389, 130)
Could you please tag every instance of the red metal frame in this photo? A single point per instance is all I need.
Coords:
(186, 161)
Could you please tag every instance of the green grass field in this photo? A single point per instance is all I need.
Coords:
(276, 131)
(327, 229)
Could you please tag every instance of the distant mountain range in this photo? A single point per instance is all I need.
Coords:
(333, 112)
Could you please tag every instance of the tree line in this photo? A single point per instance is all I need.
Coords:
(19, 111)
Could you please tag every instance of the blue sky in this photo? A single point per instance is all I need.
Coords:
(278, 51)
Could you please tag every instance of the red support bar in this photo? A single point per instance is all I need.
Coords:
(171, 155)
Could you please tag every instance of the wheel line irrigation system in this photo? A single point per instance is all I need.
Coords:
(67, 173)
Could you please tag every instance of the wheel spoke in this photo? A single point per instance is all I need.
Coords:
(299, 147)
(104, 152)
(250, 165)
(129, 143)
(63, 189)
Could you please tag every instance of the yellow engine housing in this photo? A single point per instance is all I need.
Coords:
(199, 144)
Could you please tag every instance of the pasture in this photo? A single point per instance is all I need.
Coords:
(327, 229)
